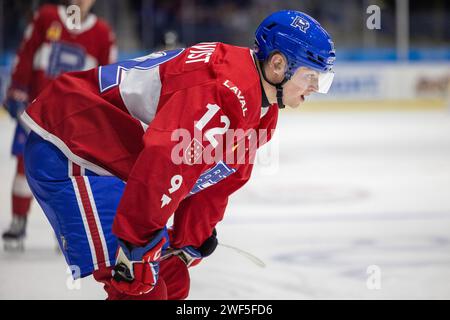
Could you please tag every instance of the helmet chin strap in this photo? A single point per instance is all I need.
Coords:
(278, 86)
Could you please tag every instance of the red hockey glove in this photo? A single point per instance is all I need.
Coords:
(137, 268)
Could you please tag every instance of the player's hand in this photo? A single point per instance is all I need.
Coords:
(192, 256)
(137, 268)
(16, 101)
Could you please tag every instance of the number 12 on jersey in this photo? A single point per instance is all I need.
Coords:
(209, 134)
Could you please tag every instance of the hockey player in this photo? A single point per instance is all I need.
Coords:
(50, 47)
(115, 151)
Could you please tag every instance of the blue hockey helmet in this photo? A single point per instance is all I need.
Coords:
(302, 40)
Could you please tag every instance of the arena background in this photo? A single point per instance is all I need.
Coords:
(352, 199)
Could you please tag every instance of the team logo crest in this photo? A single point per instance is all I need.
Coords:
(300, 23)
(54, 32)
(193, 152)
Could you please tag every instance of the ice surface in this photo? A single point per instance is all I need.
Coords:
(350, 190)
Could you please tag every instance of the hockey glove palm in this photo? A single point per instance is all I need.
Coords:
(137, 268)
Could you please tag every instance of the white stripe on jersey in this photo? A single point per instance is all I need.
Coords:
(140, 90)
(63, 147)
(41, 59)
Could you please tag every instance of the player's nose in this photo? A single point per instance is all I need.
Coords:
(311, 90)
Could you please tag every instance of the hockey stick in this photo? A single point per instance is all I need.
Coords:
(246, 254)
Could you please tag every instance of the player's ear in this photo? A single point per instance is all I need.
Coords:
(278, 64)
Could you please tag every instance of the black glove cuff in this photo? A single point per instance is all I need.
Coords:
(209, 246)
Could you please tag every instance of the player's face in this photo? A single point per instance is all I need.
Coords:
(304, 82)
(85, 5)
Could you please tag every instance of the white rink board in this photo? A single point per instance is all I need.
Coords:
(352, 190)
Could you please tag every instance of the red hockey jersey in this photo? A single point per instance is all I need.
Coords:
(152, 121)
(50, 48)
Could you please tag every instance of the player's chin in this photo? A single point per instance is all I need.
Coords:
(294, 104)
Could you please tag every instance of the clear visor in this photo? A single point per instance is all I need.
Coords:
(325, 81)
(313, 80)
